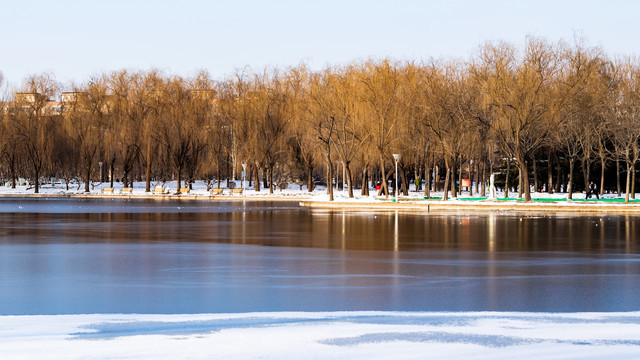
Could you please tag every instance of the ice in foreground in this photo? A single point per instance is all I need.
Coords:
(334, 335)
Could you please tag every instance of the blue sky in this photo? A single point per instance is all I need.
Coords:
(77, 39)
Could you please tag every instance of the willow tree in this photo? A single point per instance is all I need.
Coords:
(605, 87)
(626, 129)
(301, 139)
(447, 114)
(382, 94)
(35, 122)
(520, 92)
(8, 137)
(321, 120)
(272, 115)
(10, 141)
(201, 104)
(84, 112)
(175, 130)
(231, 109)
(146, 109)
(126, 121)
(579, 75)
(350, 136)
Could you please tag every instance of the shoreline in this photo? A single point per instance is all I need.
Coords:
(159, 197)
(375, 205)
(457, 206)
(318, 199)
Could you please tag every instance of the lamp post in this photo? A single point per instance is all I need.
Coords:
(397, 158)
(244, 173)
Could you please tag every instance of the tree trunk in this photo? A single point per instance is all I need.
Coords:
(147, 175)
(310, 183)
(179, 179)
(265, 177)
(13, 175)
(626, 196)
(476, 177)
(329, 177)
(558, 175)
(483, 187)
(218, 172)
(454, 193)
(633, 181)
(271, 179)
(460, 177)
(427, 180)
(602, 162)
(404, 181)
(618, 177)
(586, 171)
(570, 182)
(524, 176)
(445, 191)
(147, 169)
(520, 183)
(364, 191)
(384, 186)
(347, 169)
(257, 181)
(113, 169)
(329, 181)
(506, 181)
(452, 180)
(471, 178)
(88, 178)
(549, 174)
(525, 182)
(436, 178)
(36, 174)
(535, 175)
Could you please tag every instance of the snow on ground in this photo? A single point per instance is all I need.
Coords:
(337, 335)
(199, 188)
(295, 190)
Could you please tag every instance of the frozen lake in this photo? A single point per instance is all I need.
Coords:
(158, 257)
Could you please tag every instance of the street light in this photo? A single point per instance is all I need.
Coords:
(397, 158)
(244, 173)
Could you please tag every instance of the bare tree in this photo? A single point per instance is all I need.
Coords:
(321, 120)
(35, 122)
(525, 96)
(625, 130)
(382, 83)
(84, 111)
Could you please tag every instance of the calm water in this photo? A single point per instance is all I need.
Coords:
(146, 256)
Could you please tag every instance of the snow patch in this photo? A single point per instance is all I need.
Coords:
(330, 335)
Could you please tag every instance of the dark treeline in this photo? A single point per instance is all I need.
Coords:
(545, 116)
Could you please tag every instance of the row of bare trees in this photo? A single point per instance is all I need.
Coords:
(543, 108)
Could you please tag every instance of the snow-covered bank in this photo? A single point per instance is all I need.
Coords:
(415, 201)
(199, 188)
(341, 335)
(138, 190)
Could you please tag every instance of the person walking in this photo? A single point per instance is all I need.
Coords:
(593, 189)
